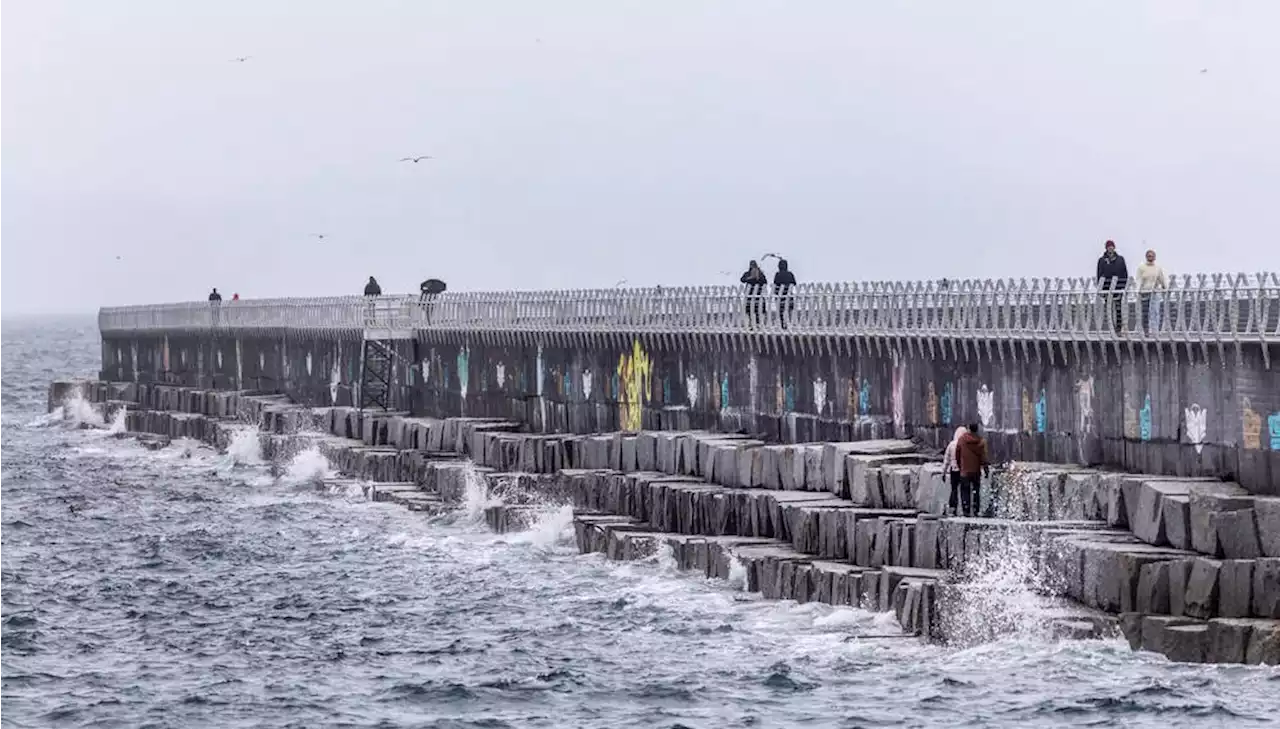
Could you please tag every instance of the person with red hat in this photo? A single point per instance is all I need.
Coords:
(1113, 277)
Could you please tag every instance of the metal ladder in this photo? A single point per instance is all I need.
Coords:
(386, 321)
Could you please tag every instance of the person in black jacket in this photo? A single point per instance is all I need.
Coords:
(372, 288)
(755, 280)
(784, 281)
(215, 301)
(1113, 276)
(214, 295)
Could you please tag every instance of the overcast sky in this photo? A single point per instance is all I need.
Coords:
(580, 143)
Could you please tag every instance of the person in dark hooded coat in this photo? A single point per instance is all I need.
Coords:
(756, 282)
(784, 283)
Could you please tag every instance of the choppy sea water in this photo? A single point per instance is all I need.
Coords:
(185, 588)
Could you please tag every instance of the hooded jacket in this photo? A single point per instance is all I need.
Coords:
(971, 454)
(755, 280)
(372, 288)
(949, 462)
(783, 280)
(1110, 267)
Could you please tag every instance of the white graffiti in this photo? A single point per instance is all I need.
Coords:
(586, 384)
(334, 379)
(426, 370)
(1197, 425)
(218, 357)
(691, 389)
(239, 365)
(308, 364)
(819, 395)
(133, 351)
(1084, 404)
(899, 399)
(262, 361)
(986, 406)
(500, 370)
(538, 374)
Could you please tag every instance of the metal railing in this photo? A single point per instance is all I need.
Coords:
(1206, 307)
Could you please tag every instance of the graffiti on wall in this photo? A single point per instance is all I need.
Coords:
(1084, 405)
(1273, 429)
(216, 355)
(634, 373)
(864, 397)
(239, 365)
(899, 398)
(537, 373)
(691, 390)
(947, 404)
(1251, 426)
(566, 387)
(500, 371)
(724, 390)
(133, 359)
(464, 370)
(587, 381)
(1144, 419)
(1130, 417)
(308, 364)
(1042, 412)
(931, 404)
(819, 396)
(1028, 413)
(666, 389)
(986, 407)
(778, 395)
(1197, 425)
(262, 362)
(335, 378)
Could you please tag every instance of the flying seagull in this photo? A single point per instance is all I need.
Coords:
(416, 160)
(767, 256)
(1204, 70)
(240, 59)
(318, 236)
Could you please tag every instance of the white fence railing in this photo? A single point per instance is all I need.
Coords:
(1210, 307)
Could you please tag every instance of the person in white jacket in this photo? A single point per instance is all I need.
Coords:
(1151, 279)
(951, 469)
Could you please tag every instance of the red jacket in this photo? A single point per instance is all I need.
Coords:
(971, 454)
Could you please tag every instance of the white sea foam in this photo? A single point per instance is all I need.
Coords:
(245, 447)
(308, 466)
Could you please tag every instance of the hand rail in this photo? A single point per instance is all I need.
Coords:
(1201, 307)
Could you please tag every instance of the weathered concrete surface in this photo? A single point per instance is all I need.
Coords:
(1143, 409)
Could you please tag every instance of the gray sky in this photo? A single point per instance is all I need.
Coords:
(579, 143)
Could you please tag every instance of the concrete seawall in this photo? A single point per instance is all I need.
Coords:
(1190, 568)
(1162, 407)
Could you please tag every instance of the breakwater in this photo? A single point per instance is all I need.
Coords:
(1184, 567)
(1185, 386)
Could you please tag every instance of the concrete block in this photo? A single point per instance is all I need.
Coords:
(1111, 500)
(1264, 644)
(1155, 637)
(1079, 496)
(1131, 629)
(1207, 498)
(1235, 588)
(1153, 588)
(933, 490)
(1237, 533)
(1228, 640)
(1179, 573)
(1201, 598)
(1267, 517)
(1266, 588)
(925, 553)
(1187, 643)
(1176, 512)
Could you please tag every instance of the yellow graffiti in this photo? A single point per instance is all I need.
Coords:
(635, 373)
(1028, 412)
(931, 404)
(1252, 425)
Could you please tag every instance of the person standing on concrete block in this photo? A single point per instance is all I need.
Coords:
(755, 281)
(973, 462)
(1113, 277)
(784, 282)
(951, 469)
(1151, 281)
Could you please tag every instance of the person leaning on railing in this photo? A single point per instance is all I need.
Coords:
(215, 304)
(371, 293)
(784, 283)
(755, 280)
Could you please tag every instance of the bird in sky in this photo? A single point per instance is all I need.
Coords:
(620, 284)
(767, 256)
(318, 236)
(240, 59)
(1204, 70)
(416, 159)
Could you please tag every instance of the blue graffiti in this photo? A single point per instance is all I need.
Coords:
(789, 396)
(1144, 419)
(464, 371)
(1273, 428)
(947, 396)
(568, 384)
(724, 390)
(1042, 412)
(864, 397)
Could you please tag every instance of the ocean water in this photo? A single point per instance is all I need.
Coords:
(188, 588)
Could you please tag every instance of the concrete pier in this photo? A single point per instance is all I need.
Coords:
(1185, 567)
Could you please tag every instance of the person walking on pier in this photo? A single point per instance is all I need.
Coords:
(973, 462)
(1113, 277)
(951, 469)
(784, 282)
(755, 280)
(214, 296)
(1151, 280)
(215, 304)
